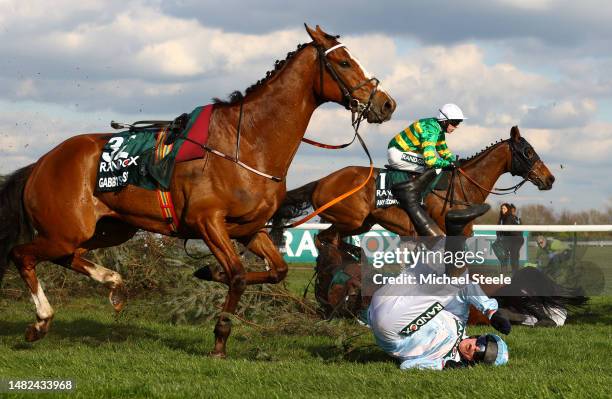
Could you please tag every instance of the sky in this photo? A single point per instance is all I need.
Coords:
(70, 67)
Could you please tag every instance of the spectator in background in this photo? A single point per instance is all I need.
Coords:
(508, 244)
(551, 252)
(515, 239)
(500, 246)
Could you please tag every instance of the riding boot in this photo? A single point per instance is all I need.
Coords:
(457, 219)
(455, 223)
(409, 196)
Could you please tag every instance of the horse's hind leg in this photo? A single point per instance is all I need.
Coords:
(44, 311)
(109, 278)
(26, 257)
(109, 232)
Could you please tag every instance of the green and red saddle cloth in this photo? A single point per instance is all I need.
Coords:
(143, 158)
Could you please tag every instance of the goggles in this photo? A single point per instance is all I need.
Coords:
(486, 349)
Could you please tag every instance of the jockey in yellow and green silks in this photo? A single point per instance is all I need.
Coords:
(422, 145)
(421, 148)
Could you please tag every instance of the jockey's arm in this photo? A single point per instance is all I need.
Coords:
(444, 151)
(430, 146)
(473, 295)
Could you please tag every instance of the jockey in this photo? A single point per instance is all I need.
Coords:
(414, 150)
(422, 333)
(423, 325)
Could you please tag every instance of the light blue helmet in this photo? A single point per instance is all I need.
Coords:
(491, 350)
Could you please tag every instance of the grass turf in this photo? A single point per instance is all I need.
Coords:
(142, 355)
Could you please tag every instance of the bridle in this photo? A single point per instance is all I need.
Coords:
(521, 164)
(357, 108)
(358, 113)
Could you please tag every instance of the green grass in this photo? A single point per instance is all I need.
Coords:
(143, 355)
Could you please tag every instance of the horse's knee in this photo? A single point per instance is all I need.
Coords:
(281, 273)
(238, 283)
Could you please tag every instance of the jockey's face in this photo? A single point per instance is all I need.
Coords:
(467, 348)
(449, 126)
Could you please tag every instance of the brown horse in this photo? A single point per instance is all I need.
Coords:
(55, 205)
(358, 213)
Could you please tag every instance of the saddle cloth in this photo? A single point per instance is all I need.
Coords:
(387, 178)
(141, 157)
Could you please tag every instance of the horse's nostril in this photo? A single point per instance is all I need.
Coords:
(387, 105)
(551, 179)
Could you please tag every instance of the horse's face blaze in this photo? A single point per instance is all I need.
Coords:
(354, 75)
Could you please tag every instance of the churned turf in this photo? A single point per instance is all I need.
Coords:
(141, 354)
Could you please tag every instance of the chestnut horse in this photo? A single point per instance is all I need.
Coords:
(358, 213)
(53, 202)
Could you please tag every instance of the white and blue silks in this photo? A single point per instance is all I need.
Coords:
(422, 324)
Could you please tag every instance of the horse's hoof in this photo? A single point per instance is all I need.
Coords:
(217, 355)
(118, 298)
(204, 273)
(32, 333)
(208, 274)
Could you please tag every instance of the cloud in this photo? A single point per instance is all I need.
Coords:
(560, 115)
(74, 66)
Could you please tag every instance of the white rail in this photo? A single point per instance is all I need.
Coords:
(495, 227)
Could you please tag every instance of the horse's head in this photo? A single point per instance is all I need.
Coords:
(527, 163)
(342, 79)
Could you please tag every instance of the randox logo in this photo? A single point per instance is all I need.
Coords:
(416, 324)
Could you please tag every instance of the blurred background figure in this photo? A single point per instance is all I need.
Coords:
(551, 252)
(508, 244)
(514, 239)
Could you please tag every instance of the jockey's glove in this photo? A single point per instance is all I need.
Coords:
(500, 323)
(450, 166)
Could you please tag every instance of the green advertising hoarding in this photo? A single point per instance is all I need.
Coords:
(300, 246)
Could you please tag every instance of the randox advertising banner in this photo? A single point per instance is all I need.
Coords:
(300, 244)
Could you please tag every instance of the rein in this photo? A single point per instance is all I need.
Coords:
(358, 114)
(449, 198)
(358, 111)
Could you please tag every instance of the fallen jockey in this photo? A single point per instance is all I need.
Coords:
(429, 331)
(425, 327)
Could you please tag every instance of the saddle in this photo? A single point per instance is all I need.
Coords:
(174, 127)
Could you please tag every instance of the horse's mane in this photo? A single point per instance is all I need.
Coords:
(237, 96)
(484, 150)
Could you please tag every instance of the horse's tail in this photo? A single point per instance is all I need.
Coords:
(532, 292)
(296, 203)
(15, 225)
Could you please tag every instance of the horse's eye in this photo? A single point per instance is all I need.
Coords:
(529, 153)
(344, 64)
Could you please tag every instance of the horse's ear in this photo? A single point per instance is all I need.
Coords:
(310, 32)
(515, 135)
(318, 36)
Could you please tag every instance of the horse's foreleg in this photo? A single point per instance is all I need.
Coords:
(216, 237)
(262, 245)
(111, 279)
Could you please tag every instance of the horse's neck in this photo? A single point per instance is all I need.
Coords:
(486, 170)
(275, 115)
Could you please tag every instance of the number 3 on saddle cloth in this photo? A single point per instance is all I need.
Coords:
(145, 157)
